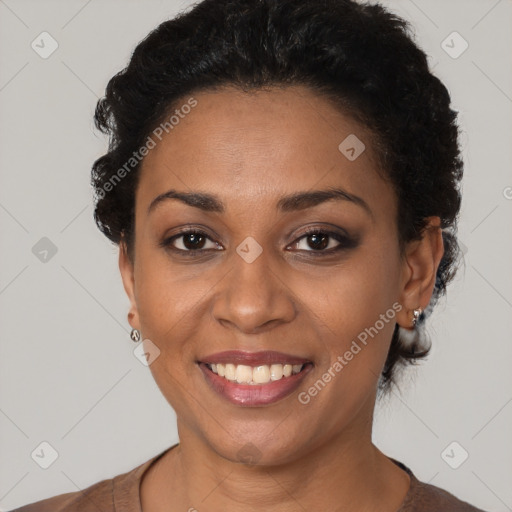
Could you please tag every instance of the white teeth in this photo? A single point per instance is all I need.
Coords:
(261, 374)
(230, 372)
(276, 371)
(244, 374)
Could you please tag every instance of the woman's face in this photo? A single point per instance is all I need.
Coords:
(256, 281)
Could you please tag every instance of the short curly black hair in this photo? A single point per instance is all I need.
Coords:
(360, 55)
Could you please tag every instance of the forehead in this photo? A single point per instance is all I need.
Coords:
(253, 146)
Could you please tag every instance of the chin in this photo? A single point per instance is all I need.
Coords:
(255, 449)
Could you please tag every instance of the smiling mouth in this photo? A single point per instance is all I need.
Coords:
(255, 375)
(254, 379)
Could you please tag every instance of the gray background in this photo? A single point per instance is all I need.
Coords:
(68, 375)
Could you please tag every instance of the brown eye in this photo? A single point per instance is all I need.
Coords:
(189, 241)
(318, 241)
(323, 241)
(193, 241)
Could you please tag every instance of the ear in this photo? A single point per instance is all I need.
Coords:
(421, 261)
(126, 268)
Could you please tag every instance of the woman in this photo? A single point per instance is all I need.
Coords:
(283, 183)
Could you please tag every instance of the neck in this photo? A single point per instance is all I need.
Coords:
(215, 483)
(347, 470)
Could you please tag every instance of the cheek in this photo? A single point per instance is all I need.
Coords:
(354, 314)
(356, 319)
(358, 291)
(166, 302)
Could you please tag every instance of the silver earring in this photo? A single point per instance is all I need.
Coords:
(415, 315)
(135, 335)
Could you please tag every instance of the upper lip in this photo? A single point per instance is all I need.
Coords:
(252, 358)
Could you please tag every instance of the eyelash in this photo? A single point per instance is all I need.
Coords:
(345, 242)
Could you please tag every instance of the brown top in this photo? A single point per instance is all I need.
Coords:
(121, 494)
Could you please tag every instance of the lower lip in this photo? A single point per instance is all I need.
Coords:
(252, 395)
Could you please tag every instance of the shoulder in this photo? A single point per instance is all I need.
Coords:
(98, 496)
(109, 495)
(423, 497)
(431, 498)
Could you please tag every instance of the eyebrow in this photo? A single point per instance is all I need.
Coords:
(291, 203)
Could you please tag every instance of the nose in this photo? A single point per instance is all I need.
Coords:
(254, 296)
